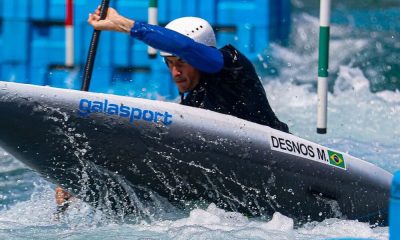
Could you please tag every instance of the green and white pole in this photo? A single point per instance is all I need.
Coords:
(323, 60)
(152, 19)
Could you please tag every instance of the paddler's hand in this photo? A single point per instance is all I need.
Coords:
(62, 199)
(113, 21)
(62, 196)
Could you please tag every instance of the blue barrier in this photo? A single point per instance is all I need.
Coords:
(394, 211)
(278, 29)
(14, 54)
(40, 10)
(1, 28)
(47, 45)
(207, 11)
(15, 40)
(16, 9)
(36, 29)
(15, 72)
(136, 8)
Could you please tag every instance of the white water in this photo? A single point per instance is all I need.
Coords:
(33, 219)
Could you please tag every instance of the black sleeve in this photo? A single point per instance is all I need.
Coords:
(237, 67)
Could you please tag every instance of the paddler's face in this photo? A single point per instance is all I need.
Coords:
(185, 76)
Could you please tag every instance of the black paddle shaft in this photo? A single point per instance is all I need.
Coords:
(93, 48)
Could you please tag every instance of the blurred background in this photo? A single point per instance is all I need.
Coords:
(34, 44)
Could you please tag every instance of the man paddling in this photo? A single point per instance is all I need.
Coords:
(221, 80)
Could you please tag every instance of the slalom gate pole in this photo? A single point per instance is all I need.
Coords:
(152, 19)
(93, 49)
(69, 34)
(323, 61)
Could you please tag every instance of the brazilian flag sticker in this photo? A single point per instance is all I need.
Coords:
(336, 159)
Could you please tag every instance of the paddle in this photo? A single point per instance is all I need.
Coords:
(93, 48)
(85, 87)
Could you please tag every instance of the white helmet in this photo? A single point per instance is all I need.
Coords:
(196, 28)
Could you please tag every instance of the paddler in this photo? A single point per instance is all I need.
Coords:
(221, 80)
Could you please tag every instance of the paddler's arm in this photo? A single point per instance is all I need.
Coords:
(204, 58)
(112, 22)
